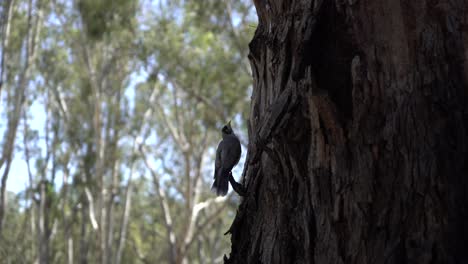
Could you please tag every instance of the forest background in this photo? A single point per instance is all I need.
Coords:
(110, 115)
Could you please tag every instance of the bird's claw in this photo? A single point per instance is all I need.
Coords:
(237, 187)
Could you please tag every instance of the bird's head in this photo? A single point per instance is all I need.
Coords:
(227, 129)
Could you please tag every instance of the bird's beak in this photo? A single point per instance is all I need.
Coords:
(229, 123)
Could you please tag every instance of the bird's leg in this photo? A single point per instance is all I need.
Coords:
(237, 187)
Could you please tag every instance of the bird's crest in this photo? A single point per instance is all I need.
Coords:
(227, 129)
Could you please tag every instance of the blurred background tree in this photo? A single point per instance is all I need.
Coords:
(111, 111)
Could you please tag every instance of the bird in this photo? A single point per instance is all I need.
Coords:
(228, 155)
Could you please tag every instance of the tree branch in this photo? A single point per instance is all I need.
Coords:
(171, 237)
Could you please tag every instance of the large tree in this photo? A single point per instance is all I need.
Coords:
(358, 134)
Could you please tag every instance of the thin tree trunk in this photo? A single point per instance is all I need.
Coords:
(83, 250)
(103, 196)
(44, 229)
(67, 221)
(115, 179)
(162, 199)
(68, 225)
(137, 143)
(35, 23)
(6, 27)
(69, 248)
(128, 205)
(31, 187)
(358, 134)
(110, 209)
(100, 145)
(160, 192)
(43, 243)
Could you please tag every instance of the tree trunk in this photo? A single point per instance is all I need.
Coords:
(358, 134)
(84, 245)
(44, 223)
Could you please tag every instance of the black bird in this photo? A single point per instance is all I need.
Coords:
(227, 156)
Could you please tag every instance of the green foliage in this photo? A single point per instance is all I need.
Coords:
(103, 17)
(200, 55)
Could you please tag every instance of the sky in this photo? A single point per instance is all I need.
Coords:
(18, 176)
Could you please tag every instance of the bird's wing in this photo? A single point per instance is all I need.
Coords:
(218, 162)
(230, 157)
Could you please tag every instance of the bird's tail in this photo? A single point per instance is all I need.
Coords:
(221, 183)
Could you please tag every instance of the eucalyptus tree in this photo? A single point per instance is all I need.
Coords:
(358, 134)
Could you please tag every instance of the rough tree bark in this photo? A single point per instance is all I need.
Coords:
(358, 134)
